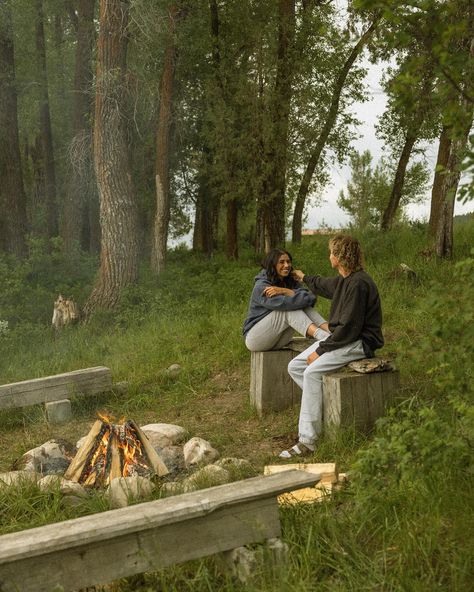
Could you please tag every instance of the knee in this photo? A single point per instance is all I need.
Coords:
(311, 373)
(294, 368)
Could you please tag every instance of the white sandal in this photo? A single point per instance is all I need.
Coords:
(299, 449)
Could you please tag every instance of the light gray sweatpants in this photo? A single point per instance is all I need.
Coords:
(276, 329)
(310, 379)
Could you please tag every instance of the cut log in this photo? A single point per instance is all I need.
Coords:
(354, 396)
(103, 547)
(74, 470)
(113, 450)
(271, 388)
(355, 400)
(328, 476)
(88, 381)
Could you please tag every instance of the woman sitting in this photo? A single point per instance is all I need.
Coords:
(279, 306)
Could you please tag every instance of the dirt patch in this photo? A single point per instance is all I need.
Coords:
(219, 412)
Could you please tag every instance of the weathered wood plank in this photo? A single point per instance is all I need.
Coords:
(271, 387)
(86, 381)
(97, 549)
(351, 399)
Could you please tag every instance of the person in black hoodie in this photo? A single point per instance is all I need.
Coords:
(279, 306)
(355, 325)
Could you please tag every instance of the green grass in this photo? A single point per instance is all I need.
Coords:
(404, 522)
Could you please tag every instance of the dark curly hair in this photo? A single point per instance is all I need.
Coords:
(269, 265)
(348, 250)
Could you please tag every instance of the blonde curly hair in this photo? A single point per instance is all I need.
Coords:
(348, 250)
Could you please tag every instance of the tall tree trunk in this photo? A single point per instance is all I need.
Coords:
(45, 126)
(12, 195)
(444, 150)
(276, 154)
(163, 140)
(452, 150)
(207, 210)
(232, 206)
(421, 108)
(118, 210)
(397, 189)
(260, 228)
(443, 217)
(81, 181)
(205, 221)
(232, 244)
(323, 136)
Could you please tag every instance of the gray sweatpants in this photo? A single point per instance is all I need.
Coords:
(276, 329)
(310, 379)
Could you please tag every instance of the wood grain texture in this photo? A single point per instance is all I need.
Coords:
(87, 381)
(271, 388)
(354, 400)
(103, 547)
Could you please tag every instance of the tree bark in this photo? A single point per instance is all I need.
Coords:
(451, 153)
(45, 126)
(274, 184)
(163, 140)
(81, 181)
(443, 216)
(323, 136)
(12, 195)
(232, 244)
(118, 210)
(444, 150)
(397, 189)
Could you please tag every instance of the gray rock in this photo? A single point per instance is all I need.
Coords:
(72, 501)
(278, 550)
(173, 457)
(14, 478)
(162, 435)
(52, 457)
(123, 490)
(173, 371)
(197, 451)
(208, 476)
(233, 463)
(65, 486)
(242, 563)
(172, 488)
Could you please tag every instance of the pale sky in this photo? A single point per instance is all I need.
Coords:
(368, 113)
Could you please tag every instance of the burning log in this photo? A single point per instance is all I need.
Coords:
(113, 450)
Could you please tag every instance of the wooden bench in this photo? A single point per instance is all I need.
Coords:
(103, 547)
(350, 399)
(56, 389)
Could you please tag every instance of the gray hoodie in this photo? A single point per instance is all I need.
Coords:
(260, 306)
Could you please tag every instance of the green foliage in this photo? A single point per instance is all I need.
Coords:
(30, 286)
(368, 191)
(402, 522)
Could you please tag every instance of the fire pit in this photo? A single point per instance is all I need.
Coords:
(113, 450)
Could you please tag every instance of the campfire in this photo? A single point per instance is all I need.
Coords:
(113, 450)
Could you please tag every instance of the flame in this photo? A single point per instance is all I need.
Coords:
(131, 448)
(105, 417)
(117, 452)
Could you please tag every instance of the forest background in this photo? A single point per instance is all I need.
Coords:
(126, 123)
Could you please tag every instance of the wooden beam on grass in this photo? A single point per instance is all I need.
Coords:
(103, 547)
(88, 381)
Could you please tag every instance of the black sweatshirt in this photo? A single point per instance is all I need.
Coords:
(355, 313)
